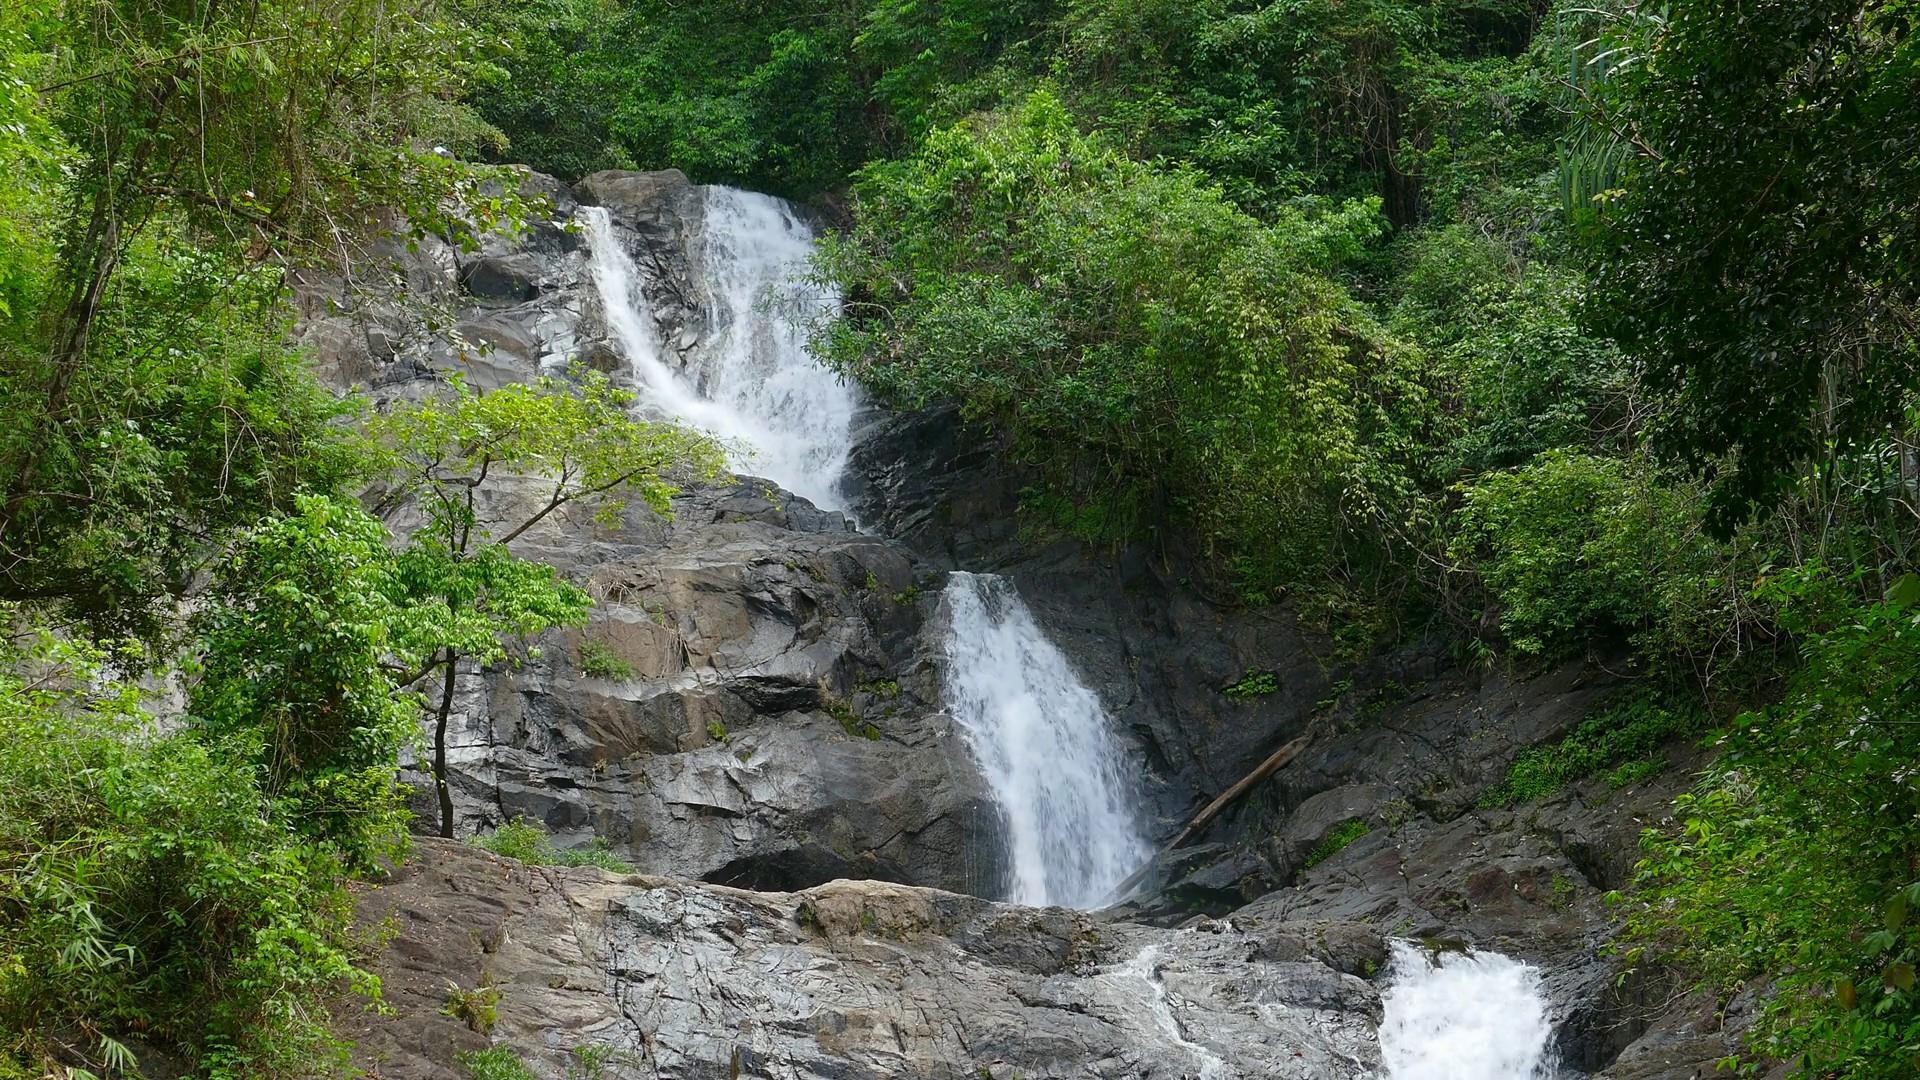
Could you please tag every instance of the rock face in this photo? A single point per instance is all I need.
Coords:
(650, 977)
(756, 703)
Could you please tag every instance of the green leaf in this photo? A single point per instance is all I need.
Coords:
(1897, 976)
(1905, 592)
(1897, 911)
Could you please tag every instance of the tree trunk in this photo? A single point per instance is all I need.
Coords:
(440, 744)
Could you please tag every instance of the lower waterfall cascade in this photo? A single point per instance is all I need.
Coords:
(1046, 747)
(1464, 1016)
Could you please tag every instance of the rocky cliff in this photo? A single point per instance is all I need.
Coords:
(781, 727)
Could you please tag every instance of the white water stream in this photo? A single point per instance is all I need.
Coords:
(1464, 1016)
(752, 382)
(1046, 747)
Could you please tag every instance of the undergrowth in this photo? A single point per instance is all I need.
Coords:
(528, 842)
(1624, 742)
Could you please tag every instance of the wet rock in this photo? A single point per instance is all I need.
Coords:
(850, 980)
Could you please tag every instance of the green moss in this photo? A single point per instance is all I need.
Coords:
(1253, 684)
(716, 731)
(1336, 841)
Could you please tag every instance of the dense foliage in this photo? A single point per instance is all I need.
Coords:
(1160, 357)
(150, 891)
(177, 510)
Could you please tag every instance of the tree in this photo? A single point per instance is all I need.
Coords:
(1154, 354)
(1760, 256)
(150, 892)
(300, 638)
(580, 443)
(185, 154)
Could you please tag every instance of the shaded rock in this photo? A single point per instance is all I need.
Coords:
(509, 279)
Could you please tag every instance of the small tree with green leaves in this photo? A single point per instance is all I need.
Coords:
(308, 621)
(578, 438)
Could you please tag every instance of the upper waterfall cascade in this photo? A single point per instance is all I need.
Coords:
(1047, 749)
(752, 381)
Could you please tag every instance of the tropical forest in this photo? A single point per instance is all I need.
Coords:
(1041, 539)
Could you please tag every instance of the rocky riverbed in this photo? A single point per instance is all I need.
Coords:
(784, 728)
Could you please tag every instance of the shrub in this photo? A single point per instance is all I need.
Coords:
(1623, 740)
(1574, 545)
(1794, 861)
(495, 1063)
(1336, 841)
(599, 660)
(478, 1008)
(148, 886)
(528, 842)
(1252, 685)
(1154, 355)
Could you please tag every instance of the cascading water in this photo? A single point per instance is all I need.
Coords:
(1045, 746)
(753, 383)
(1464, 1016)
(1042, 739)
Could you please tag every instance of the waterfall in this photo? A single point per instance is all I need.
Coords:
(752, 381)
(1042, 740)
(1464, 1016)
(1045, 746)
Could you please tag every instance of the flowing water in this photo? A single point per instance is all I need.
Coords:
(1464, 1016)
(1043, 742)
(1143, 972)
(1042, 739)
(1046, 747)
(752, 381)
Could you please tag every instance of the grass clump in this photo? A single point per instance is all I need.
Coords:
(1337, 841)
(528, 842)
(598, 660)
(495, 1063)
(1253, 684)
(478, 1008)
(852, 722)
(1624, 742)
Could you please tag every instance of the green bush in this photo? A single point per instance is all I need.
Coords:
(1157, 357)
(1252, 685)
(1336, 841)
(528, 842)
(148, 886)
(308, 617)
(1575, 546)
(1794, 864)
(495, 1063)
(598, 659)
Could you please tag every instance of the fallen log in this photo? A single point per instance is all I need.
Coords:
(1212, 810)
